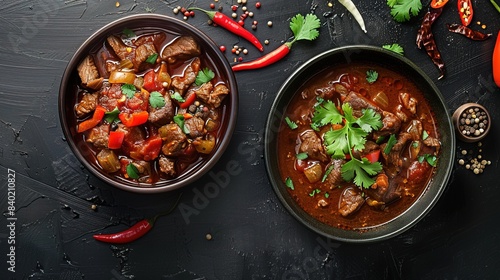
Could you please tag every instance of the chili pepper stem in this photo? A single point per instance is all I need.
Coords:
(153, 219)
(210, 14)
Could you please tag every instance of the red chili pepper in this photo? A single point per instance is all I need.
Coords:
(136, 231)
(231, 25)
(188, 101)
(465, 11)
(115, 139)
(438, 3)
(134, 119)
(373, 156)
(92, 122)
(264, 60)
(496, 61)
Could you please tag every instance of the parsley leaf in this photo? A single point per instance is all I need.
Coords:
(179, 120)
(128, 90)
(152, 58)
(132, 171)
(204, 76)
(349, 138)
(402, 10)
(289, 183)
(156, 100)
(301, 156)
(395, 48)
(431, 159)
(177, 97)
(305, 28)
(128, 33)
(111, 116)
(371, 76)
(315, 191)
(390, 143)
(291, 123)
(425, 135)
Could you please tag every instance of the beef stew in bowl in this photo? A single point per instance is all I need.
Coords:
(359, 144)
(148, 103)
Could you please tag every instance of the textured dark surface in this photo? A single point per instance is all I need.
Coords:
(253, 237)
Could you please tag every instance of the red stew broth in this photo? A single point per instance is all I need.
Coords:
(300, 110)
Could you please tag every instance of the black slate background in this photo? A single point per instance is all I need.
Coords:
(253, 237)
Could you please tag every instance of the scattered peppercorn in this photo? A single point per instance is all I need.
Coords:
(475, 164)
(212, 6)
(258, 5)
(222, 48)
(208, 236)
(269, 23)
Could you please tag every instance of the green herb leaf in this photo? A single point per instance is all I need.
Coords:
(395, 48)
(301, 156)
(128, 33)
(431, 159)
(111, 116)
(327, 195)
(204, 76)
(425, 135)
(128, 90)
(315, 191)
(371, 76)
(351, 137)
(289, 183)
(360, 171)
(305, 28)
(291, 123)
(132, 171)
(156, 100)
(177, 97)
(390, 143)
(152, 58)
(179, 120)
(402, 10)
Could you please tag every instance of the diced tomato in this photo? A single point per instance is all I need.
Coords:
(373, 156)
(115, 139)
(92, 122)
(134, 119)
(151, 148)
(417, 171)
(300, 165)
(151, 82)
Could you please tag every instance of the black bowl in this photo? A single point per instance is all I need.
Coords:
(398, 63)
(70, 81)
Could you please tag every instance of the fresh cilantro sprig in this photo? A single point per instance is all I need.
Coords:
(402, 10)
(395, 48)
(305, 28)
(128, 90)
(156, 100)
(351, 137)
(371, 76)
(204, 76)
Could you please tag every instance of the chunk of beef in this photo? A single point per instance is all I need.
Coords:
(382, 196)
(181, 83)
(408, 102)
(88, 73)
(391, 124)
(87, 104)
(163, 115)
(99, 136)
(350, 201)
(155, 38)
(142, 53)
(196, 127)
(174, 139)
(415, 129)
(184, 47)
(118, 47)
(400, 114)
(334, 178)
(370, 146)
(432, 142)
(393, 158)
(311, 144)
(211, 95)
(167, 166)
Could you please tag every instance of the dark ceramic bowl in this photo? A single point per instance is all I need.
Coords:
(70, 81)
(398, 63)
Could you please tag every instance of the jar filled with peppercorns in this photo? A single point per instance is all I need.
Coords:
(472, 122)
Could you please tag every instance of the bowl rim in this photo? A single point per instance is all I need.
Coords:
(162, 22)
(296, 211)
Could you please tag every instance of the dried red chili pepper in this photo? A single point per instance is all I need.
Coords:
(135, 232)
(467, 32)
(425, 38)
(465, 11)
(231, 25)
